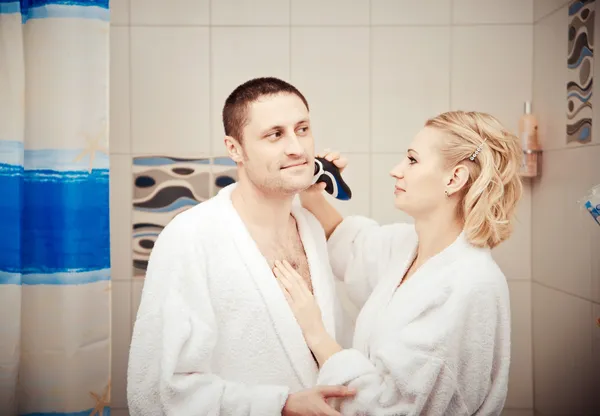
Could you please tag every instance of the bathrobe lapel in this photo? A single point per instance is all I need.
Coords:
(323, 285)
(388, 291)
(284, 322)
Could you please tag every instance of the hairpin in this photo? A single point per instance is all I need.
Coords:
(478, 150)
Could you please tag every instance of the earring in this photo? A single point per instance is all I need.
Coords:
(446, 192)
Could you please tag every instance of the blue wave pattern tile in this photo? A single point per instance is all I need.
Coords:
(581, 70)
(224, 172)
(57, 217)
(163, 187)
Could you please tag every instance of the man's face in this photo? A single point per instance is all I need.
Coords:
(278, 146)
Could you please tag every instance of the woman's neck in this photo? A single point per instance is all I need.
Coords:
(435, 234)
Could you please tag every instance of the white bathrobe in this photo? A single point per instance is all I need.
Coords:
(214, 334)
(437, 345)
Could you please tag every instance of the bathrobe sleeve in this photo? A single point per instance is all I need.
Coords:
(361, 250)
(173, 340)
(442, 363)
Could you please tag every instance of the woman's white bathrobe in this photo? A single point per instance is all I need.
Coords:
(437, 345)
(214, 334)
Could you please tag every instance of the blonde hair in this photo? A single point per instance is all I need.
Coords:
(494, 187)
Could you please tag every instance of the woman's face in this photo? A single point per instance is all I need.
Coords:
(421, 177)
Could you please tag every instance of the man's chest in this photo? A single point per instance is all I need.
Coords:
(292, 251)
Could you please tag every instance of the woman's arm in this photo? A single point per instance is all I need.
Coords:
(315, 202)
(448, 361)
(360, 250)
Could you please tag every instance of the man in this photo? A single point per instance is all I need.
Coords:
(214, 333)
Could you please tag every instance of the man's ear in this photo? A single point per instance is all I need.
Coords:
(457, 179)
(234, 149)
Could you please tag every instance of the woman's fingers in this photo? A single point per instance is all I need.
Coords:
(292, 280)
(298, 280)
(332, 156)
(283, 279)
(341, 162)
(287, 295)
(335, 157)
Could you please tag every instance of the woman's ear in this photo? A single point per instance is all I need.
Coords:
(457, 179)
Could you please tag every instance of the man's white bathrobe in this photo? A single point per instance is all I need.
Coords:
(437, 345)
(214, 334)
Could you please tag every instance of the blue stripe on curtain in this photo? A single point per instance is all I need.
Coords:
(40, 9)
(59, 220)
(54, 208)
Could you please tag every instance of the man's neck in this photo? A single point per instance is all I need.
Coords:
(260, 209)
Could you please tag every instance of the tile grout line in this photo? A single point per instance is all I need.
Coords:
(547, 286)
(531, 219)
(130, 170)
(211, 139)
(289, 27)
(326, 26)
(450, 53)
(370, 122)
(573, 147)
(550, 13)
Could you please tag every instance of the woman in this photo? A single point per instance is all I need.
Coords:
(433, 338)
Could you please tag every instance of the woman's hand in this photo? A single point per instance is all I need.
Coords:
(301, 301)
(336, 158)
(307, 312)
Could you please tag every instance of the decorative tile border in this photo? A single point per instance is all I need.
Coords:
(224, 172)
(581, 70)
(165, 186)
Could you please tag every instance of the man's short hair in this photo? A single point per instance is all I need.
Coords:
(235, 111)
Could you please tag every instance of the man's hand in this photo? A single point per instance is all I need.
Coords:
(313, 402)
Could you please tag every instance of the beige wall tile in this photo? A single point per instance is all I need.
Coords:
(410, 13)
(562, 352)
(331, 68)
(492, 11)
(170, 90)
(410, 82)
(172, 12)
(250, 12)
(330, 12)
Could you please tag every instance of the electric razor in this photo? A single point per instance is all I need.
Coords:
(328, 172)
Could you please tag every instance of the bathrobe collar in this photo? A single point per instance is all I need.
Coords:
(286, 326)
(389, 292)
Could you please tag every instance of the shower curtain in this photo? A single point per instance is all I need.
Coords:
(54, 198)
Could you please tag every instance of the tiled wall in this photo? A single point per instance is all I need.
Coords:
(565, 240)
(373, 71)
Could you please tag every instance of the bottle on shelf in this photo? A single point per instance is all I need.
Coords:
(528, 132)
